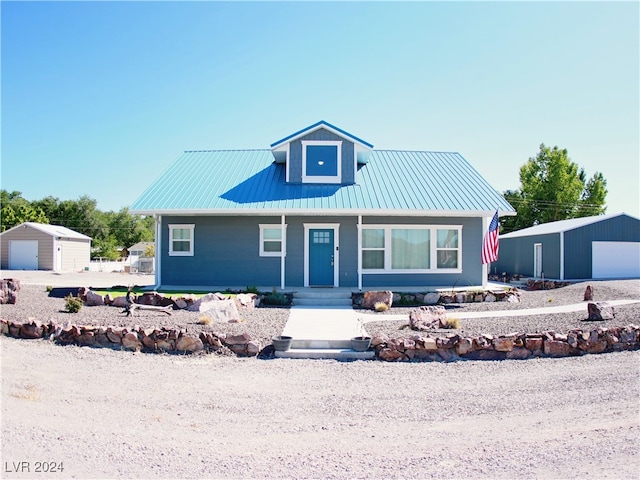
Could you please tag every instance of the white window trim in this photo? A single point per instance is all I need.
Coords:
(318, 179)
(175, 226)
(283, 242)
(433, 250)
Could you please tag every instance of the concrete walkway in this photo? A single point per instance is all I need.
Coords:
(319, 327)
(576, 307)
(329, 324)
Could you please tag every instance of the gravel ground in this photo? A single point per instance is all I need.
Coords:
(34, 301)
(263, 323)
(558, 322)
(114, 414)
(104, 413)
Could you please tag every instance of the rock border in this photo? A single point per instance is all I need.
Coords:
(136, 338)
(518, 346)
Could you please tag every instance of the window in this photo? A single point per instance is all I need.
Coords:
(447, 248)
(271, 240)
(321, 161)
(373, 248)
(410, 248)
(181, 240)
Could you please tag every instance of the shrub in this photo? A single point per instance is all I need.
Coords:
(252, 289)
(452, 323)
(380, 307)
(276, 298)
(72, 304)
(205, 320)
(49, 288)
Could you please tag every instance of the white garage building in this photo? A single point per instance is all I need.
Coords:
(598, 247)
(37, 246)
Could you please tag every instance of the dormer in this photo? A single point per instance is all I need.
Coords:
(321, 154)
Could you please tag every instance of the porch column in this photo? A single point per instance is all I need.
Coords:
(283, 251)
(158, 252)
(360, 252)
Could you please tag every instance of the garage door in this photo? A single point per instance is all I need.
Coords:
(615, 260)
(23, 255)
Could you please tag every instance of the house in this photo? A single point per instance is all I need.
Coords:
(37, 246)
(599, 247)
(138, 263)
(320, 208)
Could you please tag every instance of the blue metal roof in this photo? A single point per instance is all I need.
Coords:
(250, 182)
(315, 126)
(562, 225)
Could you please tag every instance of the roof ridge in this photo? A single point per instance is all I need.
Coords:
(414, 151)
(229, 150)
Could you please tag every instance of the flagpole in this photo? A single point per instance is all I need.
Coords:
(485, 277)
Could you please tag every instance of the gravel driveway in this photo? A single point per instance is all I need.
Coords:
(113, 414)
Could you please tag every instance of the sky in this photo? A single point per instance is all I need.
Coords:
(98, 98)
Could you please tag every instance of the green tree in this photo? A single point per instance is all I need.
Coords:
(552, 187)
(129, 229)
(16, 210)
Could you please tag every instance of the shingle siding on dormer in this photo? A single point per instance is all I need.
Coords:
(295, 156)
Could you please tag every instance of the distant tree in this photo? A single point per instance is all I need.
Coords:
(129, 229)
(108, 230)
(16, 210)
(552, 188)
(149, 251)
(82, 216)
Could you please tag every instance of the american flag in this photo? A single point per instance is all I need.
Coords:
(490, 243)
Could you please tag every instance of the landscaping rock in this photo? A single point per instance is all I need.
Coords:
(390, 355)
(221, 310)
(9, 289)
(600, 311)
(503, 344)
(119, 302)
(518, 353)
(373, 297)
(93, 299)
(185, 343)
(588, 293)
(431, 298)
(247, 300)
(427, 318)
(130, 341)
(556, 348)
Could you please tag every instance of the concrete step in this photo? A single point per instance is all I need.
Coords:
(315, 344)
(322, 293)
(326, 353)
(321, 301)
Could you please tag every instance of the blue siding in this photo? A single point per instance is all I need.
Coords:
(295, 156)
(226, 253)
(515, 255)
(578, 248)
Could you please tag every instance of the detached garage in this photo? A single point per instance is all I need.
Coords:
(36, 246)
(600, 247)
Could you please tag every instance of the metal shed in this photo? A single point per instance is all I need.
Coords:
(599, 247)
(37, 246)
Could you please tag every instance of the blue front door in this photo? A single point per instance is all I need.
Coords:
(321, 257)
